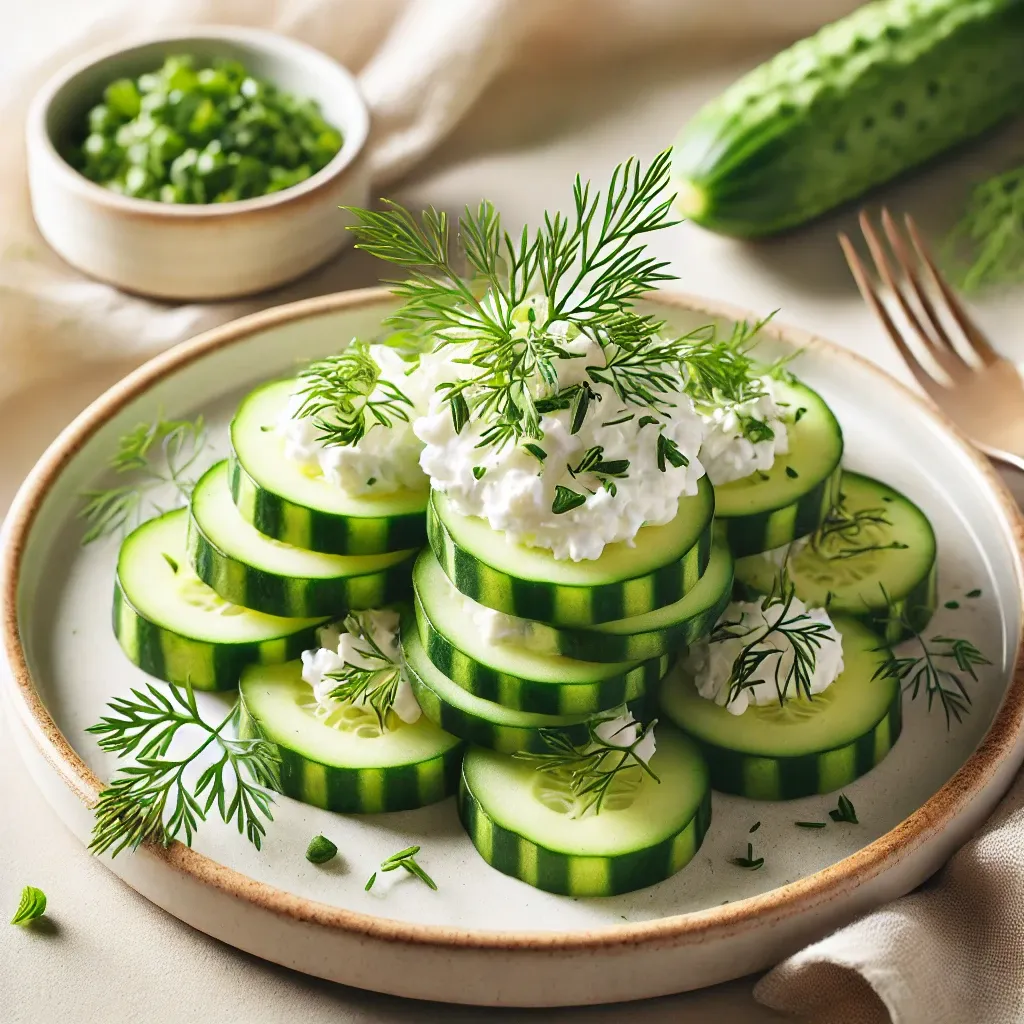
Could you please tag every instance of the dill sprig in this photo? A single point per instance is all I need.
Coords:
(134, 807)
(805, 636)
(928, 670)
(405, 859)
(591, 767)
(986, 247)
(846, 534)
(375, 685)
(155, 455)
(345, 396)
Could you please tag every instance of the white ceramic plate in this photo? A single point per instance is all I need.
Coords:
(485, 938)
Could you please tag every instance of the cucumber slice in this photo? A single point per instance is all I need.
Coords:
(768, 510)
(340, 761)
(173, 626)
(512, 674)
(282, 500)
(267, 575)
(485, 722)
(852, 584)
(646, 831)
(663, 564)
(666, 630)
(773, 752)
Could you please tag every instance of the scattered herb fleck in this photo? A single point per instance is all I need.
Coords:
(952, 605)
(403, 859)
(478, 472)
(973, 593)
(799, 415)
(810, 824)
(845, 811)
(749, 862)
(755, 826)
(791, 473)
(171, 562)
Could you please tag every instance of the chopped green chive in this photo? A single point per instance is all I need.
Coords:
(755, 826)
(810, 824)
(749, 862)
(31, 905)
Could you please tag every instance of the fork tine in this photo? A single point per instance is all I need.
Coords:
(942, 350)
(975, 338)
(921, 374)
(907, 264)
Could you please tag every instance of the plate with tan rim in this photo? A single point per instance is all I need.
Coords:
(482, 937)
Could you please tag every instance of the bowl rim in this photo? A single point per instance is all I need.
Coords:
(999, 745)
(354, 139)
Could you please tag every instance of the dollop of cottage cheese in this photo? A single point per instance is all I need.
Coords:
(385, 459)
(710, 663)
(339, 648)
(744, 437)
(514, 490)
(623, 731)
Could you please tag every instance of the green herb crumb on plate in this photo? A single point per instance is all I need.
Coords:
(215, 134)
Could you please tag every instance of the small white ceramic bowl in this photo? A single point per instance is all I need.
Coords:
(195, 252)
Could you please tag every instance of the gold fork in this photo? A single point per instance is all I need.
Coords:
(979, 390)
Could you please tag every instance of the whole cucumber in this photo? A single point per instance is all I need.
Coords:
(865, 99)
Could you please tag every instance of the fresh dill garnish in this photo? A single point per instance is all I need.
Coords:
(810, 824)
(846, 534)
(133, 808)
(805, 636)
(321, 850)
(754, 827)
(593, 766)
(403, 859)
(524, 300)
(375, 685)
(345, 396)
(750, 862)
(926, 670)
(178, 443)
(31, 906)
(845, 811)
(986, 247)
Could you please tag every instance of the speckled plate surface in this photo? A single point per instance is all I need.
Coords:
(485, 938)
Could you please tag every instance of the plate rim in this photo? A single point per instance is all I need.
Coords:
(801, 896)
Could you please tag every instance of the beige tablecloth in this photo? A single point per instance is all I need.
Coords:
(471, 98)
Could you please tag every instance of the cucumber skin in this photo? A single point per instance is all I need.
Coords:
(542, 602)
(514, 855)
(293, 596)
(788, 778)
(762, 531)
(888, 87)
(528, 694)
(316, 530)
(180, 659)
(362, 790)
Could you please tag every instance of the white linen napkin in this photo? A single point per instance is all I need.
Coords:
(951, 952)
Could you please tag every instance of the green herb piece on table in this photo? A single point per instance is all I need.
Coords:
(405, 859)
(986, 247)
(134, 807)
(32, 905)
(973, 593)
(927, 670)
(952, 605)
(845, 811)
(161, 454)
(190, 134)
(810, 824)
(320, 850)
(754, 827)
(749, 862)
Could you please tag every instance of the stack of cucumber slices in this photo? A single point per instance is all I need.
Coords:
(512, 653)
